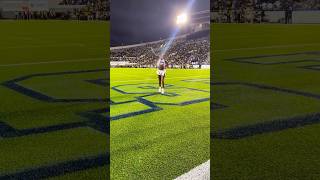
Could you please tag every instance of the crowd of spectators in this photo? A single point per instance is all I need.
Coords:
(76, 2)
(307, 5)
(243, 11)
(26, 14)
(98, 9)
(86, 10)
(182, 53)
(267, 5)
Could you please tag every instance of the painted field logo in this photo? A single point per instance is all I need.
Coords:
(75, 109)
(70, 86)
(135, 99)
(275, 108)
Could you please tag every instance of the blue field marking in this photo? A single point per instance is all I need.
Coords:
(95, 121)
(152, 108)
(101, 82)
(122, 102)
(202, 80)
(253, 59)
(142, 86)
(311, 67)
(60, 169)
(267, 127)
(273, 88)
(152, 87)
(270, 126)
(215, 106)
(152, 105)
(14, 85)
(7, 131)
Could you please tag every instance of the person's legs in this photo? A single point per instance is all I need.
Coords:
(159, 78)
(162, 81)
(162, 84)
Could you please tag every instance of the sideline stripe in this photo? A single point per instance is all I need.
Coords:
(201, 172)
(54, 62)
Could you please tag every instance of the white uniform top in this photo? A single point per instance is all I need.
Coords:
(163, 63)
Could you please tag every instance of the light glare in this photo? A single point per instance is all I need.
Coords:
(182, 19)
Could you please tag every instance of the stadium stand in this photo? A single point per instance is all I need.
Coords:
(56, 9)
(189, 49)
(184, 52)
(265, 11)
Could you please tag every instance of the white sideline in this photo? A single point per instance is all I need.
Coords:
(201, 172)
(54, 62)
(267, 47)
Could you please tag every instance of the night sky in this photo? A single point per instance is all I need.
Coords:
(136, 21)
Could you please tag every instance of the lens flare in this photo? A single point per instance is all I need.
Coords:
(182, 19)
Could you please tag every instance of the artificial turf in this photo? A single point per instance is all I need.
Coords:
(266, 77)
(172, 139)
(49, 126)
(169, 139)
(53, 116)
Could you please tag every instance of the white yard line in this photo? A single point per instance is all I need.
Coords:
(266, 47)
(153, 79)
(54, 62)
(201, 172)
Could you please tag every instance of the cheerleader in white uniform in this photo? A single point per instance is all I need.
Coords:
(161, 72)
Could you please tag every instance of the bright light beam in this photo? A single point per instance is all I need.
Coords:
(177, 29)
(182, 19)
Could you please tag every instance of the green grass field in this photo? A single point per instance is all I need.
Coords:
(54, 91)
(267, 77)
(52, 111)
(156, 136)
(265, 106)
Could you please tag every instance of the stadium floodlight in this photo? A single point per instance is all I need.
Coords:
(182, 19)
